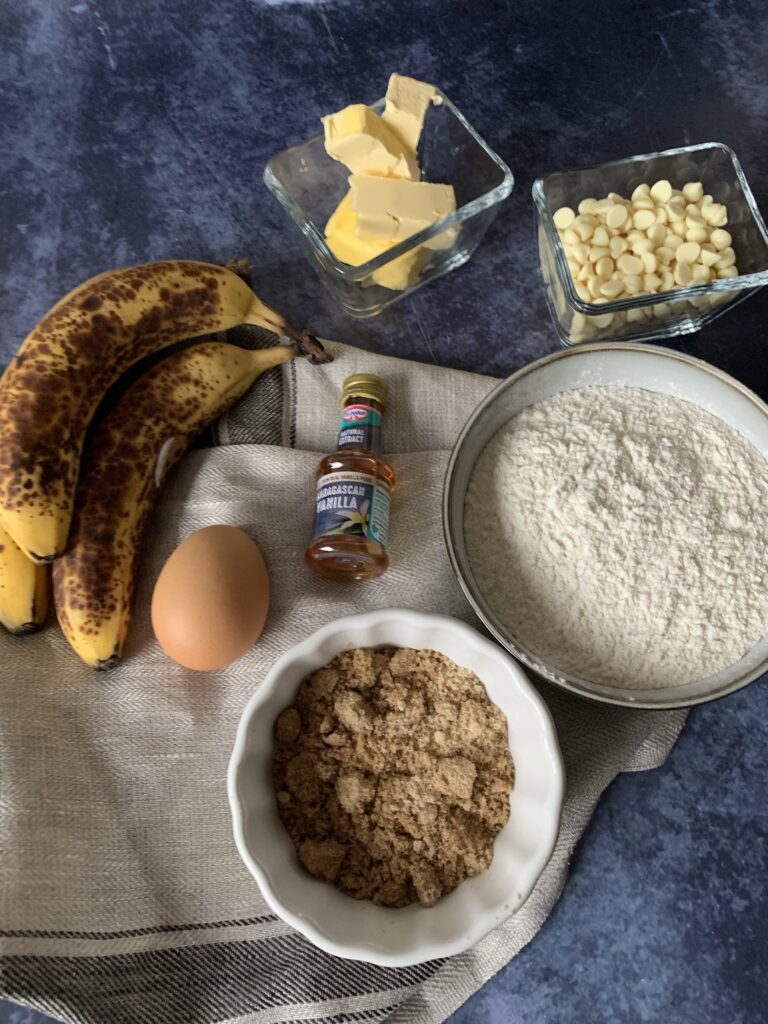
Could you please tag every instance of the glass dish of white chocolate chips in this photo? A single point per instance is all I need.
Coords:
(650, 247)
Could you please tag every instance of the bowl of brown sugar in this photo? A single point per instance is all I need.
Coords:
(395, 787)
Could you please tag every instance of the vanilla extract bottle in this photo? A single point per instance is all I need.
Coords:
(354, 485)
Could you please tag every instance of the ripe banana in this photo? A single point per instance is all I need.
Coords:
(54, 384)
(128, 457)
(23, 589)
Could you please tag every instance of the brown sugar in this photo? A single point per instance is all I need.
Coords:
(392, 773)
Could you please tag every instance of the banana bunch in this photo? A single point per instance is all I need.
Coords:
(63, 369)
(84, 510)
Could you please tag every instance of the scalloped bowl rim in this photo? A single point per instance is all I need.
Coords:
(387, 937)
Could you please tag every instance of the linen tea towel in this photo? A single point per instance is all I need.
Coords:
(122, 896)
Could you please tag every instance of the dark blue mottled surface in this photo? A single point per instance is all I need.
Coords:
(138, 130)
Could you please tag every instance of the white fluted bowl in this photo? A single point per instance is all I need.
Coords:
(357, 929)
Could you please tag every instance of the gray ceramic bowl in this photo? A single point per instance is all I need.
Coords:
(656, 369)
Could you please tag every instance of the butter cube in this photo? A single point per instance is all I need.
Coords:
(406, 106)
(389, 208)
(357, 137)
(342, 239)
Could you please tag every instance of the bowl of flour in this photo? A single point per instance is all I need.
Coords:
(606, 514)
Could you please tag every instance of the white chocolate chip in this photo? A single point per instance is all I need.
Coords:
(667, 281)
(651, 283)
(632, 284)
(657, 233)
(600, 236)
(603, 320)
(617, 245)
(587, 205)
(661, 191)
(583, 228)
(683, 273)
(570, 236)
(642, 245)
(597, 252)
(630, 264)
(664, 254)
(641, 191)
(720, 239)
(593, 285)
(727, 258)
(563, 218)
(725, 272)
(644, 204)
(604, 267)
(693, 191)
(675, 211)
(688, 252)
(701, 274)
(649, 262)
(616, 216)
(611, 289)
(696, 234)
(581, 251)
(707, 258)
(715, 214)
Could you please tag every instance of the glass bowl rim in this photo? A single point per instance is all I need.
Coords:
(738, 283)
(462, 213)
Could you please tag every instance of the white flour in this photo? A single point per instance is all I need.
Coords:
(622, 536)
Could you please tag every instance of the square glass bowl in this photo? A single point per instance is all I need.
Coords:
(310, 184)
(665, 314)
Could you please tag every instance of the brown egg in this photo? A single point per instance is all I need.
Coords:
(211, 598)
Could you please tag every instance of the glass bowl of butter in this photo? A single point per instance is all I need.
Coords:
(390, 196)
(650, 247)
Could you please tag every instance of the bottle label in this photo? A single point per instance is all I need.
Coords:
(360, 427)
(349, 504)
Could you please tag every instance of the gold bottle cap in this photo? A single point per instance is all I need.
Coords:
(364, 385)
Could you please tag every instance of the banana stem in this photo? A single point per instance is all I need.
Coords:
(262, 315)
